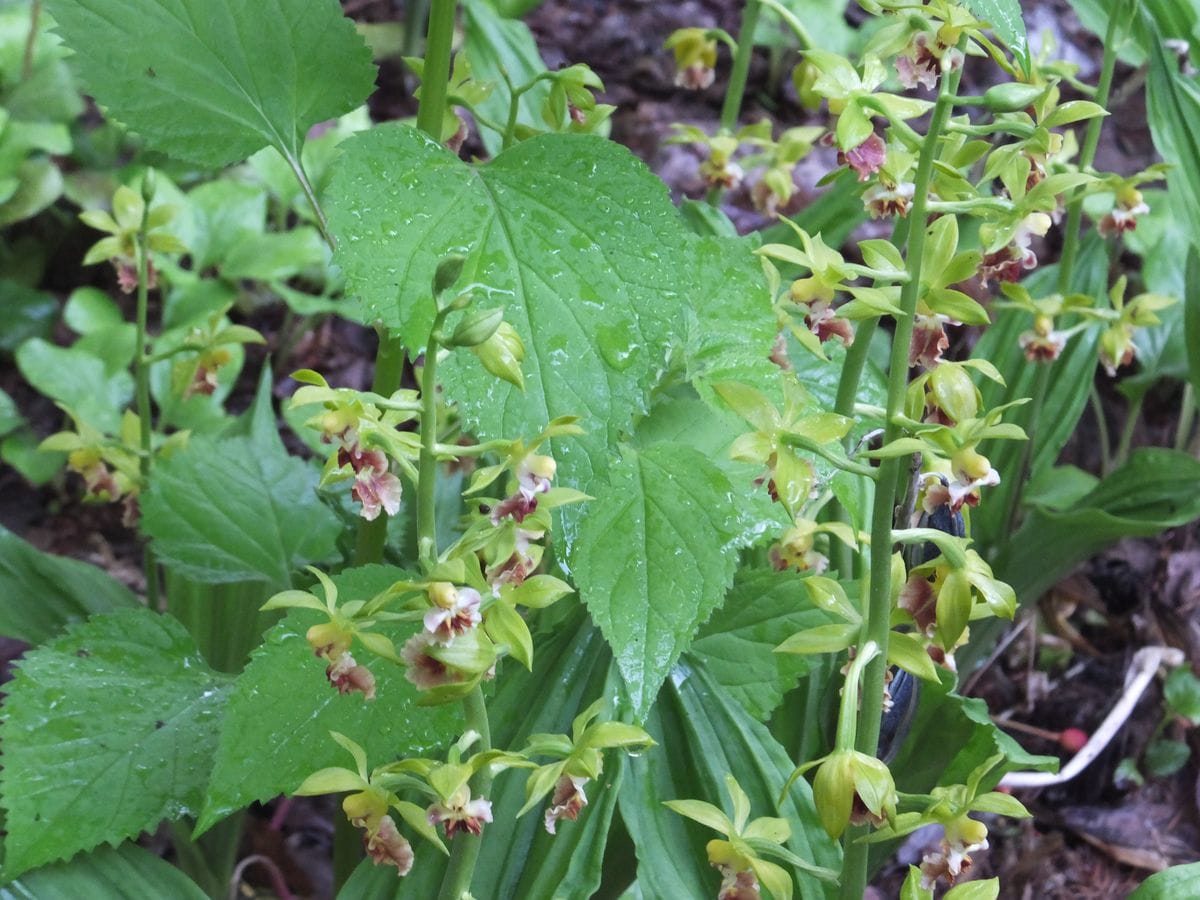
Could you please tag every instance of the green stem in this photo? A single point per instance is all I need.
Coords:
(306, 186)
(842, 462)
(141, 371)
(1041, 386)
(1187, 416)
(1087, 153)
(732, 107)
(1102, 431)
(415, 13)
(857, 355)
(427, 462)
(877, 614)
(461, 868)
(435, 78)
(1127, 430)
(848, 710)
(35, 14)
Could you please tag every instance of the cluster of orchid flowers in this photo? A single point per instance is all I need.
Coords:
(467, 601)
(466, 606)
(1018, 197)
(576, 759)
(109, 464)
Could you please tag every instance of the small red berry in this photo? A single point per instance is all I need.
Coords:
(1073, 739)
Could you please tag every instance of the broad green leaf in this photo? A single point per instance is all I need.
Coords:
(212, 81)
(655, 556)
(276, 257)
(1153, 491)
(1005, 18)
(44, 593)
(90, 309)
(1163, 758)
(78, 380)
(224, 214)
(1182, 693)
(20, 450)
(737, 645)
(703, 734)
(24, 314)
(10, 417)
(494, 44)
(107, 873)
(683, 418)
(282, 708)
(39, 184)
(824, 19)
(576, 239)
(107, 730)
(733, 325)
(47, 92)
(235, 510)
(1170, 884)
(519, 859)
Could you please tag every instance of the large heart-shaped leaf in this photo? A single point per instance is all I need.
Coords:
(655, 556)
(572, 235)
(107, 730)
(737, 645)
(212, 81)
(237, 509)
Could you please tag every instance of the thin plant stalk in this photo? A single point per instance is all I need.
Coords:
(141, 373)
(1102, 431)
(1187, 417)
(1125, 442)
(847, 394)
(731, 109)
(877, 614)
(297, 168)
(371, 538)
(427, 462)
(389, 359)
(436, 74)
(732, 106)
(35, 15)
(1066, 266)
(438, 45)
(465, 853)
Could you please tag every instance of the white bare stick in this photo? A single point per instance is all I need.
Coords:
(1141, 672)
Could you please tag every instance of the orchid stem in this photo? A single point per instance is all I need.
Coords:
(461, 869)
(142, 378)
(877, 613)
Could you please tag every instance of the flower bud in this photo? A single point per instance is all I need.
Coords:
(476, 328)
(1012, 96)
(502, 353)
(149, 185)
(954, 391)
(447, 273)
